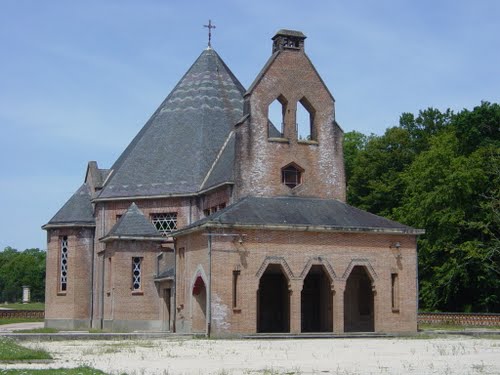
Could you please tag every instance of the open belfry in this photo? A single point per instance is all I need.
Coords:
(227, 215)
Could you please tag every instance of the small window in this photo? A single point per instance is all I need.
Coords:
(394, 292)
(291, 176)
(136, 274)
(236, 274)
(165, 222)
(63, 270)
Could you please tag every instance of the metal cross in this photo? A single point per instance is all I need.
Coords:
(210, 27)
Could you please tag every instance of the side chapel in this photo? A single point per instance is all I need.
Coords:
(221, 217)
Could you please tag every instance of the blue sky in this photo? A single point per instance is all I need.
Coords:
(78, 79)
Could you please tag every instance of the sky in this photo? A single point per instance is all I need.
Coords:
(78, 79)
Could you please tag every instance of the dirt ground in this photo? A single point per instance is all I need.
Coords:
(423, 355)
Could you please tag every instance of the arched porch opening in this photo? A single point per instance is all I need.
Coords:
(273, 301)
(317, 301)
(359, 309)
(199, 305)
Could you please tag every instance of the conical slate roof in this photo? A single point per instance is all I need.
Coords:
(177, 147)
(76, 211)
(133, 224)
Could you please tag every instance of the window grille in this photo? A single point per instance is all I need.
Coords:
(136, 273)
(291, 176)
(64, 264)
(165, 223)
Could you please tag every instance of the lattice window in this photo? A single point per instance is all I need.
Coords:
(165, 223)
(136, 273)
(63, 285)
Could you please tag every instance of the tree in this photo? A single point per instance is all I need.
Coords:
(22, 268)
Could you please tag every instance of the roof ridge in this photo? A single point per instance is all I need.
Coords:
(217, 158)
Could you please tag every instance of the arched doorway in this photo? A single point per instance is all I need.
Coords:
(199, 305)
(273, 301)
(359, 314)
(317, 301)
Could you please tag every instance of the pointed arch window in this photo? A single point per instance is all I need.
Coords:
(305, 121)
(276, 118)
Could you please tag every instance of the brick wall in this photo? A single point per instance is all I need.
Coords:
(259, 160)
(296, 252)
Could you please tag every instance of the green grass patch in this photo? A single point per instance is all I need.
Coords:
(19, 320)
(60, 371)
(451, 327)
(37, 330)
(11, 351)
(25, 306)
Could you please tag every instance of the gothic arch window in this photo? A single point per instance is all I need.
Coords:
(291, 175)
(305, 121)
(276, 118)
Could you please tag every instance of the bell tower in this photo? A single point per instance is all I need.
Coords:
(288, 142)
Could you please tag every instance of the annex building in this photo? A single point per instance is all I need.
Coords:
(226, 214)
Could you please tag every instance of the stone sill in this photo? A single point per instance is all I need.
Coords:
(307, 142)
(278, 140)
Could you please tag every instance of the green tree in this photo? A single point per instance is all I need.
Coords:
(19, 268)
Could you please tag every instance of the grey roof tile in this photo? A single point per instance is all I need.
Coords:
(223, 169)
(76, 211)
(174, 151)
(133, 223)
(299, 211)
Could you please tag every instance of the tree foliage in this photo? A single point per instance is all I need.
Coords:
(441, 172)
(22, 268)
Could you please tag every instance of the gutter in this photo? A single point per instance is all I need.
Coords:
(302, 228)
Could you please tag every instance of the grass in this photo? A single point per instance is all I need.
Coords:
(11, 351)
(27, 306)
(451, 327)
(19, 320)
(60, 371)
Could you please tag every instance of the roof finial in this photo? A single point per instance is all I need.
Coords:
(210, 27)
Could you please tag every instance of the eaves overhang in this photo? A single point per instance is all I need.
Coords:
(68, 225)
(132, 238)
(298, 228)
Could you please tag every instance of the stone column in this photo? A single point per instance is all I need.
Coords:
(295, 313)
(26, 294)
(338, 307)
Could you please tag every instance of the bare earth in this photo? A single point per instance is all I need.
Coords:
(443, 355)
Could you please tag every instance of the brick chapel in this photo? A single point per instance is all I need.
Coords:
(226, 215)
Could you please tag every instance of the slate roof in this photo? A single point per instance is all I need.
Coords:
(166, 274)
(177, 147)
(77, 211)
(133, 225)
(303, 213)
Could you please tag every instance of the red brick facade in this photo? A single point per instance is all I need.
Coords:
(242, 279)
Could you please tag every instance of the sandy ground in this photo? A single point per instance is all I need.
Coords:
(443, 355)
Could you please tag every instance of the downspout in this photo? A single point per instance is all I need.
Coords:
(174, 287)
(102, 288)
(92, 248)
(416, 274)
(209, 294)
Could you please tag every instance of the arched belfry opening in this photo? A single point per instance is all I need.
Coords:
(276, 118)
(305, 121)
(359, 309)
(317, 301)
(273, 301)
(199, 305)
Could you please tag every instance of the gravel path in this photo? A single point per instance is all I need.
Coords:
(443, 355)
